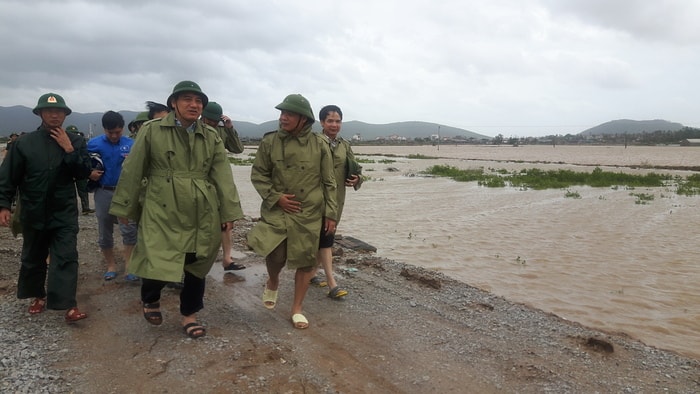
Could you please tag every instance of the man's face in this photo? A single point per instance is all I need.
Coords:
(52, 117)
(113, 135)
(332, 124)
(291, 122)
(188, 107)
(210, 122)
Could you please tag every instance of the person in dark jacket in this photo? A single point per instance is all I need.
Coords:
(81, 185)
(43, 166)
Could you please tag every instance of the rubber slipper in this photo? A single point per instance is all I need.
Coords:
(300, 321)
(269, 298)
(109, 275)
(234, 267)
(194, 330)
(337, 293)
(74, 314)
(131, 278)
(37, 306)
(153, 317)
(318, 282)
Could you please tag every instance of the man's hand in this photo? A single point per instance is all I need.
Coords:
(5, 217)
(95, 175)
(288, 204)
(329, 226)
(352, 181)
(227, 121)
(61, 137)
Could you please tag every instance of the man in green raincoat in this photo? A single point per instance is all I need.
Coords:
(212, 115)
(189, 198)
(43, 165)
(293, 173)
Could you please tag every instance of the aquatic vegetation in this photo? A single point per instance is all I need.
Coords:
(642, 198)
(419, 156)
(538, 179)
(240, 162)
(572, 194)
(691, 186)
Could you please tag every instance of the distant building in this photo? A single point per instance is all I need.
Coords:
(356, 137)
(691, 142)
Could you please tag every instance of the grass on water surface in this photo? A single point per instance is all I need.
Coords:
(535, 178)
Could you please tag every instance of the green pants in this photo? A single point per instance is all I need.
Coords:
(81, 186)
(62, 284)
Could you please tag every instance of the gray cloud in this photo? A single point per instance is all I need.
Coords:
(511, 67)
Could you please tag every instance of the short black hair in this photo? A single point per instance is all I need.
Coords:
(154, 107)
(111, 120)
(323, 114)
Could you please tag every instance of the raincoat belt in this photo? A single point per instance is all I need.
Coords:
(178, 174)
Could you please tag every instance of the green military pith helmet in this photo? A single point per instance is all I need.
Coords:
(141, 117)
(213, 111)
(298, 104)
(187, 86)
(51, 100)
(72, 129)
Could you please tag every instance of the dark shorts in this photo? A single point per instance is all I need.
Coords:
(326, 240)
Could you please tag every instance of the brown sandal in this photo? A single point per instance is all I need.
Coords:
(74, 314)
(37, 306)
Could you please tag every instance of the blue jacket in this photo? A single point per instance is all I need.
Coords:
(113, 156)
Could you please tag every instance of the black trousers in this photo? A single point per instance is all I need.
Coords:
(191, 295)
(62, 284)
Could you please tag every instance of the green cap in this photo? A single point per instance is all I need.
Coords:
(141, 117)
(213, 111)
(72, 129)
(298, 104)
(187, 86)
(51, 100)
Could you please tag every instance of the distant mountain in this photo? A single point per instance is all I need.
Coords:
(20, 118)
(623, 126)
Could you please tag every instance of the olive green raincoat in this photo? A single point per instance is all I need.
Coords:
(189, 193)
(230, 137)
(345, 166)
(301, 165)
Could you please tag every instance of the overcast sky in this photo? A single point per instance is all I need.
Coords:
(514, 67)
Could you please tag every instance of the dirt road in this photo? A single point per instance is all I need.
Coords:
(401, 329)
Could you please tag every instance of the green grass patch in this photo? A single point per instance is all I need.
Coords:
(538, 179)
(419, 156)
(241, 162)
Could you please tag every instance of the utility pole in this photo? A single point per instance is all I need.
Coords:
(438, 137)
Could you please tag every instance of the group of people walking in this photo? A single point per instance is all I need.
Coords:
(172, 191)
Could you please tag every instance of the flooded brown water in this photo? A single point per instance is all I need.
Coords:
(601, 260)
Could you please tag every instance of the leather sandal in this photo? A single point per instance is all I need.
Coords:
(194, 330)
(74, 314)
(37, 306)
(153, 317)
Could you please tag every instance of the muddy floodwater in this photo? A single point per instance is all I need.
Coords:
(605, 260)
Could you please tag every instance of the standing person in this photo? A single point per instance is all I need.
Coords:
(189, 197)
(293, 173)
(112, 148)
(135, 124)
(212, 115)
(43, 165)
(13, 138)
(81, 184)
(347, 174)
